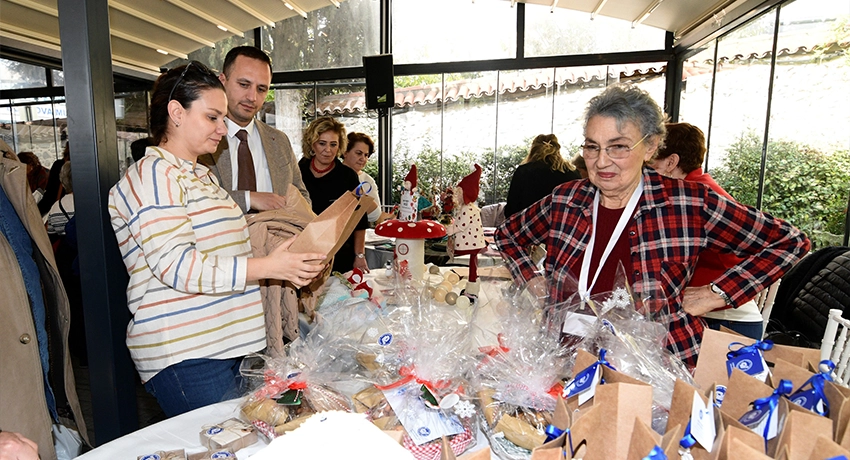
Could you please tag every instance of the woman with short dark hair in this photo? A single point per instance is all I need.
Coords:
(656, 228)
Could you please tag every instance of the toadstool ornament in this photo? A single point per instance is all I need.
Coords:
(466, 233)
(410, 242)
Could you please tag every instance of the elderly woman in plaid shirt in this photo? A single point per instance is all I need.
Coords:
(656, 227)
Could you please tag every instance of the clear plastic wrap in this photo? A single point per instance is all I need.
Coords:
(311, 378)
(417, 355)
(517, 378)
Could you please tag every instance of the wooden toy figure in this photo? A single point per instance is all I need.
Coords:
(407, 210)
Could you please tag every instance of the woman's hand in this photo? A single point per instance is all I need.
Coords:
(361, 264)
(13, 446)
(698, 301)
(298, 268)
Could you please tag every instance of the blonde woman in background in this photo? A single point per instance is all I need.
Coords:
(539, 173)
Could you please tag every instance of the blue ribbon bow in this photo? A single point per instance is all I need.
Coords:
(770, 402)
(758, 347)
(552, 432)
(688, 440)
(570, 389)
(817, 383)
(656, 454)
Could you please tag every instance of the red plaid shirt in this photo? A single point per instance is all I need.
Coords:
(674, 221)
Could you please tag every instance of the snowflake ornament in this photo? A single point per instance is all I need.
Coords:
(464, 409)
(619, 298)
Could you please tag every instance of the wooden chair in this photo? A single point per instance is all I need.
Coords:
(835, 346)
(764, 300)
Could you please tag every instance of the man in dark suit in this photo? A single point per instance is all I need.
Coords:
(254, 162)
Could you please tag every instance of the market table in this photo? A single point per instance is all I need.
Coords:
(183, 432)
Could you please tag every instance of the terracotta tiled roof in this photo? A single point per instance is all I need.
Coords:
(538, 79)
(509, 83)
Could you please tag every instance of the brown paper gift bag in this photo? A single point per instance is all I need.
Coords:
(711, 363)
(801, 431)
(681, 408)
(732, 434)
(329, 230)
(554, 449)
(605, 428)
(644, 439)
(827, 448)
(738, 449)
(446, 453)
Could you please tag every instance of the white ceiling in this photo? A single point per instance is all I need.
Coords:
(140, 28)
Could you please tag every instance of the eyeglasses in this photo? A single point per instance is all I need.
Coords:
(616, 151)
(179, 79)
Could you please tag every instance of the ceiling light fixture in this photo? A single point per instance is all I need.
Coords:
(162, 51)
(646, 13)
(597, 9)
(222, 27)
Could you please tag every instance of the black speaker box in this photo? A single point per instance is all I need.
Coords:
(379, 81)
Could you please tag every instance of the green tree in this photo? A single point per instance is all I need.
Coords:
(804, 186)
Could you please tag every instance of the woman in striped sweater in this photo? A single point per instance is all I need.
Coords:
(193, 289)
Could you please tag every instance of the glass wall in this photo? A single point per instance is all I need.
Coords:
(545, 31)
(779, 143)
(328, 38)
(455, 31)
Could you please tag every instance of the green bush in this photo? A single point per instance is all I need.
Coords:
(802, 185)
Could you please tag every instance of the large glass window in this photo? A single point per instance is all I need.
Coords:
(452, 30)
(16, 75)
(695, 98)
(565, 31)
(329, 37)
(807, 178)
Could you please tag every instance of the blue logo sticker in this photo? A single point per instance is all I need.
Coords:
(753, 417)
(222, 454)
(214, 431)
(424, 431)
(385, 339)
(151, 457)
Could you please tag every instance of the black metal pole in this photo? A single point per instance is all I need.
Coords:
(87, 64)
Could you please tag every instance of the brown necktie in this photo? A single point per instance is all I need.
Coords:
(246, 176)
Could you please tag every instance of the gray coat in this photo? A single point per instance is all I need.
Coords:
(23, 406)
(283, 165)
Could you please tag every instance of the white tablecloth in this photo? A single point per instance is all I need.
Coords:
(183, 432)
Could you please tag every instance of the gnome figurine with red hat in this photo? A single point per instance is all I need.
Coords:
(466, 233)
(407, 210)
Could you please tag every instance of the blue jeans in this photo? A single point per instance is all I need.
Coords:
(195, 383)
(751, 329)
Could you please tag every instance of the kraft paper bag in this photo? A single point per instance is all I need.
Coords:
(741, 390)
(329, 230)
(605, 428)
(839, 412)
(800, 433)
(711, 362)
(681, 408)
(803, 357)
(740, 450)
(446, 453)
(827, 448)
(785, 370)
(554, 449)
(643, 440)
(731, 434)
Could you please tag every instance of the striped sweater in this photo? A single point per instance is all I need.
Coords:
(185, 244)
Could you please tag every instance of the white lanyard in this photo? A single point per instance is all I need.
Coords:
(628, 211)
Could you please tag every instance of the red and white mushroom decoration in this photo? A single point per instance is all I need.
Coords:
(410, 241)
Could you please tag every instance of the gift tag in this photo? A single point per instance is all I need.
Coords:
(584, 384)
(808, 399)
(750, 363)
(702, 422)
(578, 324)
(420, 422)
(758, 419)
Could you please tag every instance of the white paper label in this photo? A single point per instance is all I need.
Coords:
(702, 422)
(421, 423)
(578, 324)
